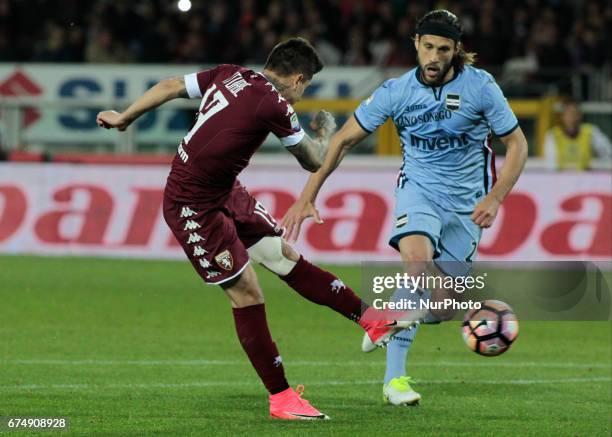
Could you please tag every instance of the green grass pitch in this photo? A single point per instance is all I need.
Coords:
(125, 347)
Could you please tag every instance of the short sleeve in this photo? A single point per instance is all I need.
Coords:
(376, 109)
(197, 83)
(278, 117)
(496, 109)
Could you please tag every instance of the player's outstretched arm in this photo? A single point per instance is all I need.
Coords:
(159, 94)
(516, 155)
(344, 140)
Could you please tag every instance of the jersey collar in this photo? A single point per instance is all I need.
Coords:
(267, 80)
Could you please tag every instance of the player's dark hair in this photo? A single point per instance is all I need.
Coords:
(447, 18)
(294, 56)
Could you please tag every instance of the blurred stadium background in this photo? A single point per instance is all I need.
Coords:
(70, 190)
(72, 59)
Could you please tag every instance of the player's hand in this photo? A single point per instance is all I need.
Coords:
(292, 222)
(485, 212)
(323, 123)
(112, 120)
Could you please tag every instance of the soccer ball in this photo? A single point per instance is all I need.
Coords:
(490, 330)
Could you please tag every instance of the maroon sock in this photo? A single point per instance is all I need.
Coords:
(323, 288)
(255, 338)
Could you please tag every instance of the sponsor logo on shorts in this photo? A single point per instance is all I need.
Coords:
(453, 102)
(199, 251)
(337, 285)
(187, 212)
(194, 238)
(212, 274)
(401, 221)
(190, 225)
(204, 263)
(225, 260)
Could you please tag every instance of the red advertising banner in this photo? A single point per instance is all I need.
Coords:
(104, 210)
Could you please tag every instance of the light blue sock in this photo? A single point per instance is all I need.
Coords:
(398, 347)
(397, 352)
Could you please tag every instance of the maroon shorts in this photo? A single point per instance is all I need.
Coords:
(216, 239)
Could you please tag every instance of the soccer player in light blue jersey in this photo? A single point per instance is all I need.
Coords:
(446, 112)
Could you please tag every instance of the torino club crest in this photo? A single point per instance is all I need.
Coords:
(225, 260)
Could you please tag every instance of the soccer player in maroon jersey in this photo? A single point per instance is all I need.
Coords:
(221, 227)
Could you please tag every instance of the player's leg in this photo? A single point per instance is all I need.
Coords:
(249, 313)
(210, 241)
(260, 233)
(416, 251)
(324, 288)
(313, 283)
(457, 246)
(415, 235)
(254, 335)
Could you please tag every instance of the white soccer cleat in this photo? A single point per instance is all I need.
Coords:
(399, 392)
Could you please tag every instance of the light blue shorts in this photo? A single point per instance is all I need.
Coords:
(454, 235)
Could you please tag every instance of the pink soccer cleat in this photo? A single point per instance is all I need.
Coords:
(289, 405)
(381, 325)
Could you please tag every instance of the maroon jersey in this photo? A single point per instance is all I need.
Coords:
(239, 109)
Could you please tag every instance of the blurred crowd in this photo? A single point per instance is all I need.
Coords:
(529, 33)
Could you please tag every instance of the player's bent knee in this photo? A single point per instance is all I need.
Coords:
(244, 290)
(273, 255)
(289, 252)
(417, 251)
(247, 299)
(410, 254)
(416, 266)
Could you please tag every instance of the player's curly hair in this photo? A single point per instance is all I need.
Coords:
(295, 55)
(443, 16)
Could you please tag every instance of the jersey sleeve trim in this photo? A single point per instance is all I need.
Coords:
(361, 124)
(292, 139)
(192, 86)
(509, 131)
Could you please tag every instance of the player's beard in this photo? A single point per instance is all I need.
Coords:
(442, 71)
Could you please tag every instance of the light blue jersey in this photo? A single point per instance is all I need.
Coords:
(445, 132)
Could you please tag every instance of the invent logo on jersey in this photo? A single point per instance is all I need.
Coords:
(439, 143)
(428, 117)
